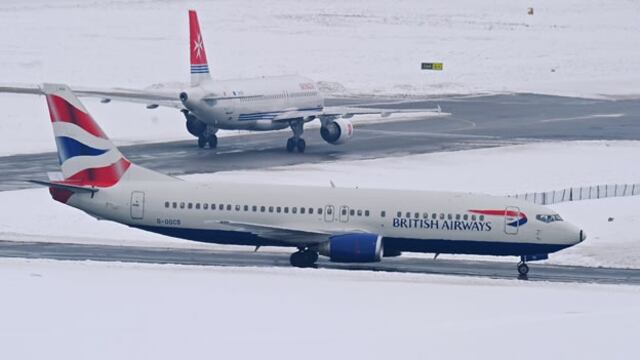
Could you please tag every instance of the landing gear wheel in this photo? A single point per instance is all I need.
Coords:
(202, 142)
(301, 145)
(291, 144)
(523, 269)
(213, 141)
(304, 259)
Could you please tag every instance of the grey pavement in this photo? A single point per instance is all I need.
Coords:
(484, 269)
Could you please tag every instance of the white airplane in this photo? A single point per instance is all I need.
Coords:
(347, 225)
(257, 104)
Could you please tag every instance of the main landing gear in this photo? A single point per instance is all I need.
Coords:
(296, 141)
(205, 139)
(304, 258)
(523, 269)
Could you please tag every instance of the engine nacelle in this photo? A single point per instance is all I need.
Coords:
(195, 126)
(337, 132)
(353, 248)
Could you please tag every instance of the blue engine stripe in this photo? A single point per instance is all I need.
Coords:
(68, 148)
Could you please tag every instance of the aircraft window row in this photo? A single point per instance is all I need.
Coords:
(246, 208)
(355, 212)
(436, 216)
(548, 218)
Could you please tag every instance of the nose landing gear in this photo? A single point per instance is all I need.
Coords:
(523, 269)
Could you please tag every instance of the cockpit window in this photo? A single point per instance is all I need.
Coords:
(548, 218)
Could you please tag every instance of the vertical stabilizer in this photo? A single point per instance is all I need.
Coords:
(199, 65)
(87, 156)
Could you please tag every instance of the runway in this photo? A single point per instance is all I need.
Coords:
(481, 121)
(484, 269)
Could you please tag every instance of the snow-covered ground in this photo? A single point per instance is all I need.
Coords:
(504, 170)
(86, 310)
(375, 47)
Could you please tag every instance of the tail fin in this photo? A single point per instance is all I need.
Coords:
(199, 65)
(87, 157)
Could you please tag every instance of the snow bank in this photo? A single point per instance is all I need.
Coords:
(109, 311)
(503, 170)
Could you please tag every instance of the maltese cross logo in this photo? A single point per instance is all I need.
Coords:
(198, 47)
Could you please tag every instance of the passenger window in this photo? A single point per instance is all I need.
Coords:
(352, 212)
(197, 206)
(190, 206)
(166, 204)
(205, 206)
(366, 213)
(359, 212)
(286, 209)
(449, 217)
(228, 207)
(238, 207)
(416, 215)
(254, 208)
(383, 213)
(294, 210)
(221, 206)
(441, 216)
(246, 208)
(425, 215)
(465, 217)
(408, 214)
(344, 212)
(175, 204)
(481, 217)
(329, 211)
(434, 216)
(262, 208)
(319, 211)
(473, 217)
(310, 211)
(399, 214)
(278, 209)
(181, 205)
(270, 209)
(457, 216)
(302, 210)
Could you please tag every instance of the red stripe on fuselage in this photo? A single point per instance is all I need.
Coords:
(497, 212)
(101, 177)
(62, 110)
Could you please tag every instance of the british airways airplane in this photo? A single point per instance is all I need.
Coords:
(346, 225)
(256, 104)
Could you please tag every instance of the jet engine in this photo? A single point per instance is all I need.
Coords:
(195, 126)
(353, 248)
(337, 132)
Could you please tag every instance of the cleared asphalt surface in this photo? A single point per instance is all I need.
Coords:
(487, 269)
(483, 121)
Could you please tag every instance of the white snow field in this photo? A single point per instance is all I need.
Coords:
(88, 310)
(502, 170)
(373, 47)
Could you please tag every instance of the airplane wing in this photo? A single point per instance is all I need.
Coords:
(151, 98)
(347, 112)
(285, 234)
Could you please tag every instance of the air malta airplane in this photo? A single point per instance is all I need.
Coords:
(344, 224)
(257, 104)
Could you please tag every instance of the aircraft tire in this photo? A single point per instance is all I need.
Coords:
(213, 141)
(523, 269)
(291, 144)
(303, 259)
(301, 145)
(202, 142)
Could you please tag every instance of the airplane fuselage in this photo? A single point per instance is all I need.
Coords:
(252, 104)
(419, 221)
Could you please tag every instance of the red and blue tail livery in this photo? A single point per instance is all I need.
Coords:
(87, 157)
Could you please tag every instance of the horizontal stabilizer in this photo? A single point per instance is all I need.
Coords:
(65, 186)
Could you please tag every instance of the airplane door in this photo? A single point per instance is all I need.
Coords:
(137, 205)
(511, 220)
(329, 213)
(344, 213)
